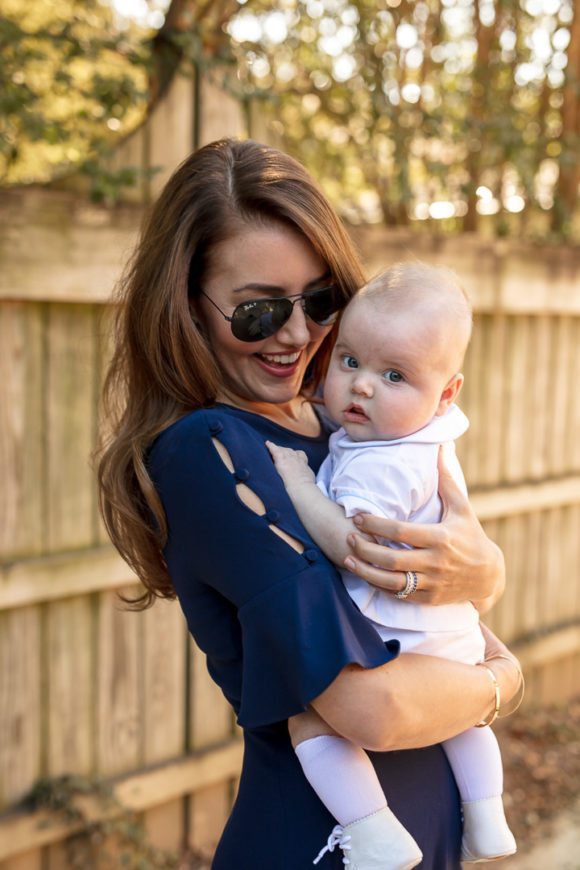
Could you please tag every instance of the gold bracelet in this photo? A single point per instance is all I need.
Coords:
(494, 714)
(519, 696)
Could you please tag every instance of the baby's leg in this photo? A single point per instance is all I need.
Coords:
(475, 759)
(344, 779)
(340, 773)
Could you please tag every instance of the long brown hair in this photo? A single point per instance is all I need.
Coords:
(162, 366)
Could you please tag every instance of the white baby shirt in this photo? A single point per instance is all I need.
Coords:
(397, 479)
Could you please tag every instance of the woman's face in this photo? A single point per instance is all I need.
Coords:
(262, 262)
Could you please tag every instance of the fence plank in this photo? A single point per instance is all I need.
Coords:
(515, 396)
(557, 412)
(493, 408)
(20, 702)
(164, 663)
(211, 716)
(71, 423)
(164, 826)
(21, 430)
(31, 860)
(119, 687)
(70, 708)
(209, 809)
(541, 377)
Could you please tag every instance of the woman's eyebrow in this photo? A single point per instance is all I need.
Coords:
(277, 290)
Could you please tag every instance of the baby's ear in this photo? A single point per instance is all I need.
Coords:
(449, 394)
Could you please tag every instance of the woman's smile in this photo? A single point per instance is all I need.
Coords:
(260, 261)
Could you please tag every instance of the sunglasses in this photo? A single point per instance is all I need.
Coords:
(260, 318)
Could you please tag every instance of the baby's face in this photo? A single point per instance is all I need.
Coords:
(386, 375)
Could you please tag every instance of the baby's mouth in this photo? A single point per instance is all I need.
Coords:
(355, 414)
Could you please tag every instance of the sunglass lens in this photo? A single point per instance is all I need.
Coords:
(253, 321)
(323, 305)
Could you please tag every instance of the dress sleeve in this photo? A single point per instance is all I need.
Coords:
(285, 614)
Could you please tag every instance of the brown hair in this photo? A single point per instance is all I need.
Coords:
(162, 366)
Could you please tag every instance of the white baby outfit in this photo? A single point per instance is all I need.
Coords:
(398, 479)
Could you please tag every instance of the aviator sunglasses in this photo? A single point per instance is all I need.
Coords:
(260, 318)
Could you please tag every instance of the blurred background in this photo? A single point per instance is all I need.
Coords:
(443, 129)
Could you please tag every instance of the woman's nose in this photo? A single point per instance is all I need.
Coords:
(295, 331)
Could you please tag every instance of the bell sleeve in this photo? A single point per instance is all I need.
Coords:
(279, 626)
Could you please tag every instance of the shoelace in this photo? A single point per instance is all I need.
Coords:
(337, 838)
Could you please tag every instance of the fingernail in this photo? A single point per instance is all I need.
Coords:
(349, 563)
(350, 540)
(358, 520)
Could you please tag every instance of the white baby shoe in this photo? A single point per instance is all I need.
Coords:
(377, 842)
(486, 835)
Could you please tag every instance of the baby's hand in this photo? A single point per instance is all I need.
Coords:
(291, 465)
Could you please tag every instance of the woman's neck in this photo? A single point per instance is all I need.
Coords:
(298, 415)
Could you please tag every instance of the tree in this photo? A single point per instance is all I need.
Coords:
(452, 109)
(71, 81)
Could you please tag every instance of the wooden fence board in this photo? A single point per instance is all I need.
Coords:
(21, 430)
(119, 688)
(513, 543)
(164, 826)
(515, 398)
(30, 860)
(490, 438)
(70, 397)
(164, 662)
(209, 809)
(540, 377)
(20, 702)
(573, 450)
(70, 685)
(211, 716)
(562, 384)
(469, 401)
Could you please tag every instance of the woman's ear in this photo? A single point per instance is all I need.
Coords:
(449, 394)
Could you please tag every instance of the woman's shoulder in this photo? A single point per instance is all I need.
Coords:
(202, 425)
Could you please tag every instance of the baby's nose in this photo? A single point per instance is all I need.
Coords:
(361, 385)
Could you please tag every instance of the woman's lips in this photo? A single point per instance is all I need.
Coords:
(281, 365)
(355, 414)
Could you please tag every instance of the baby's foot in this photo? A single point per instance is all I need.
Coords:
(486, 835)
(377, 842)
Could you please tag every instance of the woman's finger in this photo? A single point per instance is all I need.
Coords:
(387, 558)
(419, 535)
(390, 581)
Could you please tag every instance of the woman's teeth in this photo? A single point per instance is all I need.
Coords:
(281, 358)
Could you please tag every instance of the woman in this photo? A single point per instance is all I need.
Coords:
(228, 313)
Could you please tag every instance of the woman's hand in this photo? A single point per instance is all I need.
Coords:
(454, 559)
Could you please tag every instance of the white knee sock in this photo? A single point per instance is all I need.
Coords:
(342, 776)
(475, 759)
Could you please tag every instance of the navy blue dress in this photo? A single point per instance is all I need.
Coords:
(277, 627)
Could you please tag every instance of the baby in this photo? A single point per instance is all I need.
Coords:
(391, 385)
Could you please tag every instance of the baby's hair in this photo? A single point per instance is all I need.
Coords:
(434, 288)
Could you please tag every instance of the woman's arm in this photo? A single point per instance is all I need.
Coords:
(415, 700)
(455, 560)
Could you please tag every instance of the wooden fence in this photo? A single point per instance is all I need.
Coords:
(89, 688)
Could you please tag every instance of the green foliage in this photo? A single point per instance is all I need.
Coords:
(71, 82)
(416, 110)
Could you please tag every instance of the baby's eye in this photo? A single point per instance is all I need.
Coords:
(393, 376)
(349, 362)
